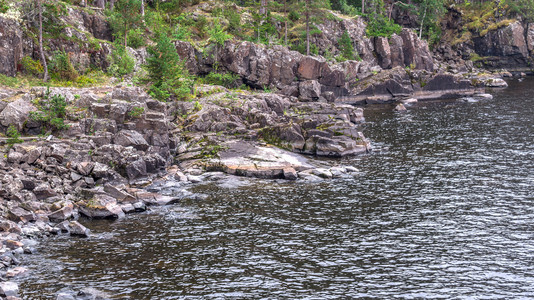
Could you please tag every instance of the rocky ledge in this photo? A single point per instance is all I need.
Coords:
(119, 140)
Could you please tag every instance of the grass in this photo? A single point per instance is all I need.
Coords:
(90, 79)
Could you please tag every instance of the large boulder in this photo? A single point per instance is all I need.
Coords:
(383, 52)
(505, 47)
(132, 138)
(16, 113)
(100, 206)
(10, 46)
(416, 52)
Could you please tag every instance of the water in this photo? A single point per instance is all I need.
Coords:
(443, 209)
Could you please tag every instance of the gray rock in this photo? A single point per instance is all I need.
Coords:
(78, 229)
(100, 206)
(400, 107)
(131, 138)
(309, 90)
(16, 113)
(9, 288)
(290, 174)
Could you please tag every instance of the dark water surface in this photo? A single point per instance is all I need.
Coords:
(444, 209)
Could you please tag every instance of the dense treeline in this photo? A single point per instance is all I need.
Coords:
(159, 23)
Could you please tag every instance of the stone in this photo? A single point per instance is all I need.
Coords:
(383, 51)
(118, 194)
(156, 199)
(309, 90)
(11, 244)
(16, 113)
(9, 288)
(322, 172)
(100, 206)
(19, 214)
(136, 169)
(10, 226)
(14, 157)
(400, 107)
(409, 101)
(62, 214)
(43, 191)
(78, 229)
(16, 272)
(290, 174)
(85, 168)
(131, 138)
(310, 68)
(495, 83)
(75, 176)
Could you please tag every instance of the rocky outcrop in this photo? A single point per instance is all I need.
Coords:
(11, 45)
(506, 47)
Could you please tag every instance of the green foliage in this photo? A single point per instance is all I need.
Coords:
(217, 33)
(294, 16)
(62, 68)
(3, 6)
(136, 38)
(122, 63)
(228, 80)
(167, 73)
(346, 47)
(124, 18)
(524, 8)
(234, 20)
(13, 136)
(136, 112)
(379, 25)
(31, 67)
(301, 47)
(51, 111)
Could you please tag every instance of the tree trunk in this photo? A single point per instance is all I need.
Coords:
(111, 4)
(101, 4)
(307, 27)
(83, 3)
(125, 39)
(422, 23)
(263, 7)
(143, 9)
(43, 59)
(363, 7)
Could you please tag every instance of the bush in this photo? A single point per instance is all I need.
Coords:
(234, 20)
(346, 47)
(51, 112)
(294, 16)
(381, 26)
(62, 68)
(167, 73)
(122, 63)
(136, 38)
(228, 80)
(13, 136)
(31, 67)
(3, 6)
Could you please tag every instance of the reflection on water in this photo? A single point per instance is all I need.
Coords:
(443, 209)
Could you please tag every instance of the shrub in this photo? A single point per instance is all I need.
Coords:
(32, 67)
(13, 136)
(346, 47)
(122, 63)
(166, 71)
(294, 16)
(381, 26)
(234, 20)
(228, 80)
(51, 112)
(3, 6)
(62, 67)
(136, 112)
(136, 38)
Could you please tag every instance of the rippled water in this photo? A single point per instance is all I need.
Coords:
(443, 209)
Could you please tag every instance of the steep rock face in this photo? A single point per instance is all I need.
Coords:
(505, 47)
(10, 46)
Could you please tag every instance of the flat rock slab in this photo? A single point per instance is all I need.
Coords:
(252, 160)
